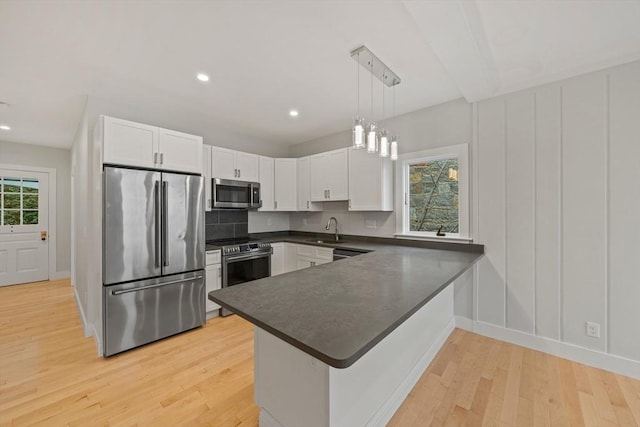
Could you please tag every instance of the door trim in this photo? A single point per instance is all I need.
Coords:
(53, 226)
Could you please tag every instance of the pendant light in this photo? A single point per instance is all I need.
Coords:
(375, 140)
(394, 139)
(358, 122)
(372, 135)
(384, 140)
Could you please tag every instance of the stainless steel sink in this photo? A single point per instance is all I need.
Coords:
(327, 241)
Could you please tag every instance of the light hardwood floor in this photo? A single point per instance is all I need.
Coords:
(50, 375)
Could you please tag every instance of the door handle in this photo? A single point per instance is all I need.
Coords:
(165, 222)
(156, 214)
(43, 235)
(157, 285)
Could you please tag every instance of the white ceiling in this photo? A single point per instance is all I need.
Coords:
(266, 57)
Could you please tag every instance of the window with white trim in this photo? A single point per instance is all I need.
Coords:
(435, 193)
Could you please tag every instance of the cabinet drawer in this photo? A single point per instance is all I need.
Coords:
(315, 252)
(213, 257)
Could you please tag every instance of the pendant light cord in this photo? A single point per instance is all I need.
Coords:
(358, 72)
(371, 72)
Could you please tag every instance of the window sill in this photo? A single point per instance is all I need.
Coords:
(416, 236)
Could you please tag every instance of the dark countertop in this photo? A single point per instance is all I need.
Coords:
(337, 312)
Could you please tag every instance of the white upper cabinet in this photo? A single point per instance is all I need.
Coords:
(236, 165)
(304, 187)
(248, 166)
(129, 143)
(329, 175)
(266, 184)
(285, 184)
(370, 182)
(223, 163)
(179, 151)
(136, 144)
(206, 174)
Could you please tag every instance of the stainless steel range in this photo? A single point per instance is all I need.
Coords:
(244, 261)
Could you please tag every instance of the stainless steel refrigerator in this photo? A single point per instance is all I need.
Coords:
(153, 256)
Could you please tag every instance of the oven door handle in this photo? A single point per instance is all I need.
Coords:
(235, 258)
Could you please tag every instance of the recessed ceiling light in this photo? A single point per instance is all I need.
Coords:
(203, 77)
(293, 113)
(5, 127)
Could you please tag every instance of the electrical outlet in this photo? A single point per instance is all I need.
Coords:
(304, 221)
(370, 223)
(593, 329)
(269, 221)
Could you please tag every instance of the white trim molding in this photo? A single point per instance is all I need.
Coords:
(597, 359)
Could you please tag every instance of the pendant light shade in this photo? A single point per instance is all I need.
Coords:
(358, 133)
(394, 148)
(384, 144)
(372, 138)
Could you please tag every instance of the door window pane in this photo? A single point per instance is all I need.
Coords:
(29, 201)
(30, 186)
(11, 185)
(29, 217)
(433, 196)
(11, 201)
(11, 217)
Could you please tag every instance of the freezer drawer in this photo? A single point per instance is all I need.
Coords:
(138, 313)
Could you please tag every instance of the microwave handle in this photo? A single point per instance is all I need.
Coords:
(254, 203)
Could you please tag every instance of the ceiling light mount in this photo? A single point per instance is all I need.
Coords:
(375, 66)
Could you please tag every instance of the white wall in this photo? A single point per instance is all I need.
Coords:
(558, 209)
(439, 126)
(60, 160)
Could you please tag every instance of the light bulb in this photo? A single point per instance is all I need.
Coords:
(394, 148)
(372, 139)
(358, 133)
(384, 144)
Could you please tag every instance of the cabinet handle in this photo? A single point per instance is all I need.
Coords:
(275, 204)
(307, 204)
(155, 158)
(161, 158)
(219, 272)
(235, 173)
(239, 173)
(329, 193)
(349, 203)
(313, 263)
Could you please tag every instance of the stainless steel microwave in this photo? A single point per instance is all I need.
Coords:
(228, 193)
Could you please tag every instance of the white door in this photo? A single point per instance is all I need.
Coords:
(24, 228)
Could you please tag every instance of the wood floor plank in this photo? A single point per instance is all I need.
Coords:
(51, 375)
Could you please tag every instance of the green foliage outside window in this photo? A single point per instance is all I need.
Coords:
(19, 201)
(433, 196)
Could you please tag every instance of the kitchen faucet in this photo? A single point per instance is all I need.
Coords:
(333, 218)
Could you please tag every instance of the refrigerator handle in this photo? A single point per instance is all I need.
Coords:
(165, 223)
(156, 214)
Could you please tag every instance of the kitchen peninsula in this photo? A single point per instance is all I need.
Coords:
(342, 344)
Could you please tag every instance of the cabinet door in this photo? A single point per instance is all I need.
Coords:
(206, 174)
(129, 143)
(318, 177)
(303, 263)
(277, 259)
(290, 257)
(213, 281)
(266, 184)
(285, 184)
(223, 163)
(248, 166)
(370, 182)
(337, 174)
(180, 151)
(303, 201)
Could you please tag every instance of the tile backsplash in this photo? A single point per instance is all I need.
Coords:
(226, 224)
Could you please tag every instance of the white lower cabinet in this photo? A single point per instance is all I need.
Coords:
(291, 257)
(278, 259)
(213, 278)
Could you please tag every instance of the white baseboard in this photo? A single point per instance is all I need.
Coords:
(389, 408)
(597, 359)
(59, 275)
(86, 330)
(96, 338)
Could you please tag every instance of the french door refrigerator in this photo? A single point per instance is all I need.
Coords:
(153, 256)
